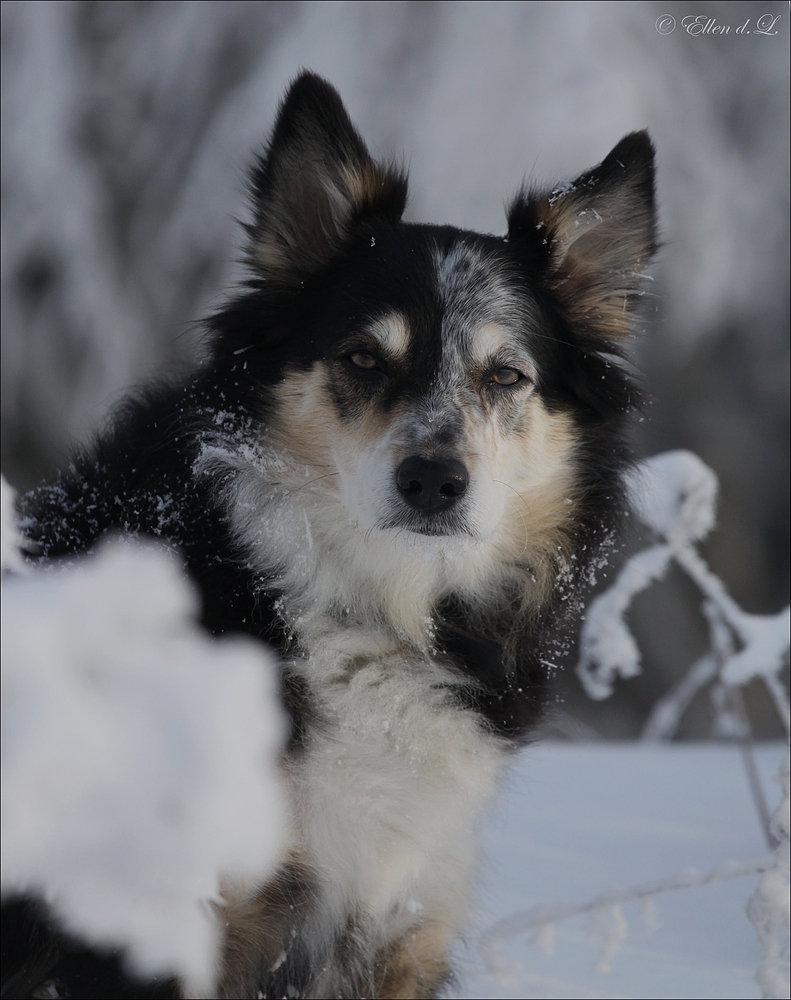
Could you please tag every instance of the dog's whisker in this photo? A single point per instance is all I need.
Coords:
(310, 482)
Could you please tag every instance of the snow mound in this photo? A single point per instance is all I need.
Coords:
(138, 757)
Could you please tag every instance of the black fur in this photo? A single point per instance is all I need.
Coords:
(38, 959)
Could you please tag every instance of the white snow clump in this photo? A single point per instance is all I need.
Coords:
(139, 757)
(675, 495)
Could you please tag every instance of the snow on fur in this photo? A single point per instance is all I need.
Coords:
(139, 757)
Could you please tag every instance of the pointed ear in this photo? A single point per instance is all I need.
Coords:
(314, 183)
(592, 239)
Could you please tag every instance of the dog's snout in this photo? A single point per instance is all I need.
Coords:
(431, 486)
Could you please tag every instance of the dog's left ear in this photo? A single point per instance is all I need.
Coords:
(315, 183)
(589, 241)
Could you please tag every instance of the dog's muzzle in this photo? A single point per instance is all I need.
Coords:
(431, 486)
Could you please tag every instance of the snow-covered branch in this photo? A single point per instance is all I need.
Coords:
(768, 909)
(674, 494)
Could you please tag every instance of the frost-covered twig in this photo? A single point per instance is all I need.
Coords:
(765, 638)
(675, 494)
(768, 908)
(666, 714)
(731, 719)
(609, 903)
(608, 647)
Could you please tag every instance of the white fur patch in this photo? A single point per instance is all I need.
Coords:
(388, 792)
(389, 788)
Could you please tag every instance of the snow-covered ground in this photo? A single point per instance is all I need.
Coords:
(579, 819)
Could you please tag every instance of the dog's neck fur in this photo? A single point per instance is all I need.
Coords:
(330, 573)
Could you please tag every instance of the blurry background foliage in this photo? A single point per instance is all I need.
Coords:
(127, 127)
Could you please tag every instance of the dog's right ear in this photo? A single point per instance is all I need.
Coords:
(315, 182)
(589, 241)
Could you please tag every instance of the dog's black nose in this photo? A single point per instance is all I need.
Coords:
(431, 486)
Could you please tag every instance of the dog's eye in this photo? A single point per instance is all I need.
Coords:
(363, 359)
(506, 376)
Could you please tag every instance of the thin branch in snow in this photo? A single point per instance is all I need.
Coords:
(675, 495)
(666, 714)
(734, 696)
(768, 908)
(779, 697)
(546, 914)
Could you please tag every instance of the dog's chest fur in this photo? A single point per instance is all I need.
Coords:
(392, 777)
(387, 786)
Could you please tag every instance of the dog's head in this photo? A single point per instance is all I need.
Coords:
(433, 384)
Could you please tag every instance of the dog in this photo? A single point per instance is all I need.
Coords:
(398, 467)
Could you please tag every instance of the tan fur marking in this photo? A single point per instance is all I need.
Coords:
(534, 466)
(392, 333)
(312, 205)
(416, 965)
(309, 428)
(259, 925)
(489, 338)
(305, 417)
(601, 246)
